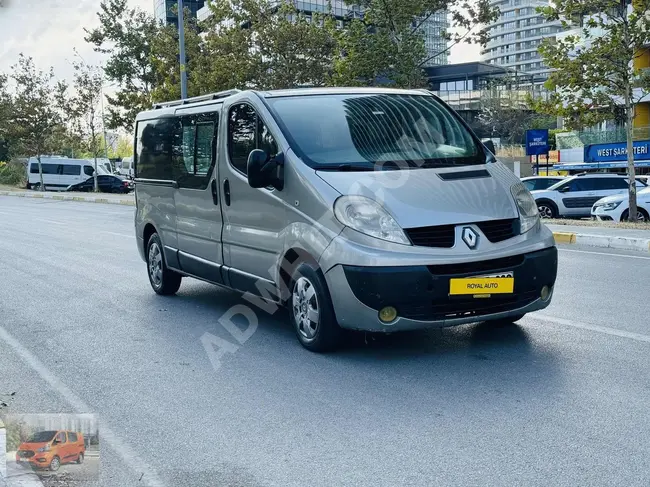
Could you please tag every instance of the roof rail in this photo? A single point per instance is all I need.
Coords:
(196, 99)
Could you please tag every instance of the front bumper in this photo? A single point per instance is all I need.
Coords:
(600, 214)
(421, 293)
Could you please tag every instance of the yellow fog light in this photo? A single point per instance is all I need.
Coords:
(546, 293)
(387, 314)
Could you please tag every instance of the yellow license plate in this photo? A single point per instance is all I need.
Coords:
(482, 285)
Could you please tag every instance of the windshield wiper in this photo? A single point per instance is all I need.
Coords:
(345, 167)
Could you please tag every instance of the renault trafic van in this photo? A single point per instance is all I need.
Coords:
(367, 209)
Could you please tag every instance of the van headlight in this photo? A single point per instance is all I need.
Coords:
(367, 216)
(528, 212)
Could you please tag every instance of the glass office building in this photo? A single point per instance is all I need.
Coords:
(516, 35)
(432, 28)
(166, 10)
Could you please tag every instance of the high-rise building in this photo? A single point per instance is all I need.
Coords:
(516, 36)
(432, 28)
(166, 10)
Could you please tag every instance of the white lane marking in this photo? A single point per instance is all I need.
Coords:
(128, 455)
(118, 234)
(599, 329)
(606, 253)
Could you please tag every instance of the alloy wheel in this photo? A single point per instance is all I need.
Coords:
(305, 308)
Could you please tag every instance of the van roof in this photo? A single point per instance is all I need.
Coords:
(168, 108)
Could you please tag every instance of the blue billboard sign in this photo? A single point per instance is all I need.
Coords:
(536, 142)
(616, 151)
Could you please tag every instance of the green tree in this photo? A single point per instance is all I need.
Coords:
(387, 43)
(506, 112)
(83, 110)
(126, 36)
(166, 63)
(5, 115)
(258, 44)
(35, 118)
(594, 76)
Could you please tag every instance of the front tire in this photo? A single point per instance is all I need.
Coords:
(511, 320)
(36, 187)
(547, 209)
(311, 310)
(55, 464)
(641, 215)
(164, 281)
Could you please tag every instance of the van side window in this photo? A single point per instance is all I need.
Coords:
(193, 150)
(70, 170)
(241, 135)
(61, 437)
(72, 437)
(47, 168)
(154, 148)
(88, 170)
(266, 140)
(246, 131)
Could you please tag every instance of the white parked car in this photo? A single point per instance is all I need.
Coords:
(617, 208)
(575, 195)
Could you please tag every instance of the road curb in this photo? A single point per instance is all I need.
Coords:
(67, 197)
(603, 241)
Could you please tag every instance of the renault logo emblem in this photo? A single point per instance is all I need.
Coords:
(470, 237)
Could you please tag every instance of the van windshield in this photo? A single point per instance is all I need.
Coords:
(41, 436)
(375, 132)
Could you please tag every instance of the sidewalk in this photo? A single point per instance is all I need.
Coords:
(105, 198)
(611, 238)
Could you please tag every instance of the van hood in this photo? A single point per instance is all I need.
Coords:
(32, 446)
(421, 197)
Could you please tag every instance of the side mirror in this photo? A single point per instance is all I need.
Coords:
(563, 189)
(264, 171)
(489, 145)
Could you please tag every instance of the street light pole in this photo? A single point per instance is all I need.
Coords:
(181, 40)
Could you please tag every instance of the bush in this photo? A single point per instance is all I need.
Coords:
(13, 173)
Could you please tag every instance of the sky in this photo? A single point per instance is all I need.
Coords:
(49, 30)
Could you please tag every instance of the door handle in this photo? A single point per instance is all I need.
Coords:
(226, 191)
(215, 196)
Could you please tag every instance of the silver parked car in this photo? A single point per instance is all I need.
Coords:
(367, 209)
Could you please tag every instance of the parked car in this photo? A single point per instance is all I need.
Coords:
(51, 449)
(59, 172)
(107, 184)
(536, 183)
(617, 208)
(574, 196)
(370, 209)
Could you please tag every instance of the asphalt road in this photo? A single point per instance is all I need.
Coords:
(561, 399)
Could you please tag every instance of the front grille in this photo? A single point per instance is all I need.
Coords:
(441, 236)
(499, 230)
(467, 306)
(480, 267)
(444, 236)
(25, 453)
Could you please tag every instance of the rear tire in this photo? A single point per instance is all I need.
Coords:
(547, 209)
(36, 187)
(80, 459)
(164, 281)
(311, 311)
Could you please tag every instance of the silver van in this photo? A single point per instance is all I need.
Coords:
(366, 209)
